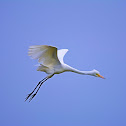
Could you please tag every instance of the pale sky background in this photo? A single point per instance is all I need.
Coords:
(95, 34)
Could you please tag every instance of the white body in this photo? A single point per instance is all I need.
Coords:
(51, 60)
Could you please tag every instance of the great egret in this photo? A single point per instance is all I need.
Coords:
(51, 62)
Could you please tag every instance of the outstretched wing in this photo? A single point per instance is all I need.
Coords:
(46, 55)
(61, 54)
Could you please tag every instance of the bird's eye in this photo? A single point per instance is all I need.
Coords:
(97, 74)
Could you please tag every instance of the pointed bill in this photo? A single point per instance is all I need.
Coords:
(100, 76)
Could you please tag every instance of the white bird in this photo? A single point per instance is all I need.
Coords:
(51, 62)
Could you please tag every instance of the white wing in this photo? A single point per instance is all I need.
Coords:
(46, 55)
(61, 54)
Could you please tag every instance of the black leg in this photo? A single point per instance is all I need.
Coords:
(34, 89)
(38, 89)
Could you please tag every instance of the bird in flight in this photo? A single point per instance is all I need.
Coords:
(51, 61)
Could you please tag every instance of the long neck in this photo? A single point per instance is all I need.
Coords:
(69, 68)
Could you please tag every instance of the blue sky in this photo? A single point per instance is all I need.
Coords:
(95, 34)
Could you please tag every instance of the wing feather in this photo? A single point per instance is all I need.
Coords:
(61, 54)
(46, 55)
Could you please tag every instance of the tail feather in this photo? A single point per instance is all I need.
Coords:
(42, 68)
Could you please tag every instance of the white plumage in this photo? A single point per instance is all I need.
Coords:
(46, 55)
(51, 62)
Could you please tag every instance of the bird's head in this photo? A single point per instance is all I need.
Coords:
(97, 74)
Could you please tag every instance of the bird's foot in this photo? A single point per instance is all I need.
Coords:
(32, 97)
(28, 96)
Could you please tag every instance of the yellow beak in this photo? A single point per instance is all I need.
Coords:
(100, 76)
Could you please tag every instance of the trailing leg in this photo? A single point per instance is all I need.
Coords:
(34, 89)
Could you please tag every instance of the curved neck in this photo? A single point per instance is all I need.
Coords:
(69, 68)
